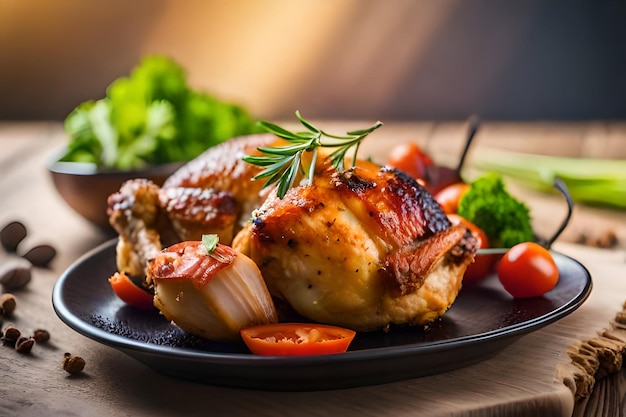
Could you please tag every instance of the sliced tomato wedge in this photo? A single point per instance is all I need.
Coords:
(130, 293)
(296, 339)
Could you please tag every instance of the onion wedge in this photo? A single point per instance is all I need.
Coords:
(212, 293)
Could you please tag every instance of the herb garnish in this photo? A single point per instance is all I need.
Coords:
(210, 242)
(220, 253)
(284, 162)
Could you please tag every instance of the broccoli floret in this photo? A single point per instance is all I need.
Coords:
(504, 219)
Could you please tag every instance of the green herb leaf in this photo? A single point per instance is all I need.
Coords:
(210, 242)
(285, 150)
(284, 163)
(278, 131)
(306, 124)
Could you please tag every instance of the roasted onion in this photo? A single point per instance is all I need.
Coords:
(211, 294)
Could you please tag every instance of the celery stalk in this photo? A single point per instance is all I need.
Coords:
(592, 181)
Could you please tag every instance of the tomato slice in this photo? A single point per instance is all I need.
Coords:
(130, 293)
(296, 339)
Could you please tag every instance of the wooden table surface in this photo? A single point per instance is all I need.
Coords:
(525, 378)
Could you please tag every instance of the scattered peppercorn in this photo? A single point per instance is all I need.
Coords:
(40, 255)
(10, 335)
(605, 239)
(15, 273)
(7, 304)
(73, 364)
(41, 336)
(24, 344)
(11, 235)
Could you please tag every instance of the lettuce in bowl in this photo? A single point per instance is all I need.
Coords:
(149, 118)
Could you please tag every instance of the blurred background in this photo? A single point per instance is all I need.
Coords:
(395, 59)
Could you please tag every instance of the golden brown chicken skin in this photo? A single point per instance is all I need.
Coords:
(212, 194)
(363, 249)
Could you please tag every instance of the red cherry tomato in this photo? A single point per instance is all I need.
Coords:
(483, 264)
(449, 197)
(130, 293)
(528, 270)
(410, 158)
(296, 339)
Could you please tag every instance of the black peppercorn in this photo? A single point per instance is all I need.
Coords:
(10, 335)
(24, 344)
(41, 336)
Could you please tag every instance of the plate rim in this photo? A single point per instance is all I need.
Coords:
(132, 346)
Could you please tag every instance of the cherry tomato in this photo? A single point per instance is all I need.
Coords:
(410, 158)
(296, 339)
(528, 270)
(483, 264)
(449, 197)
(130, 293)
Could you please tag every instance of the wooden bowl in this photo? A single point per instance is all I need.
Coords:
(85, 188)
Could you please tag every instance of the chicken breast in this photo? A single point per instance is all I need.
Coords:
(363, 248)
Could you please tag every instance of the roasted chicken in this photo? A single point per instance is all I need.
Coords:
(365, 248)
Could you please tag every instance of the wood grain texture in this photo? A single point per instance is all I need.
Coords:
(524, 379)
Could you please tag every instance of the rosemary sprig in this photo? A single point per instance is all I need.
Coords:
(283, 163)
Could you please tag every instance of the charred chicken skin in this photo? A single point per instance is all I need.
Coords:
(363, 249)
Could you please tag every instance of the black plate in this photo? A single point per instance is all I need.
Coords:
(483, 321)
